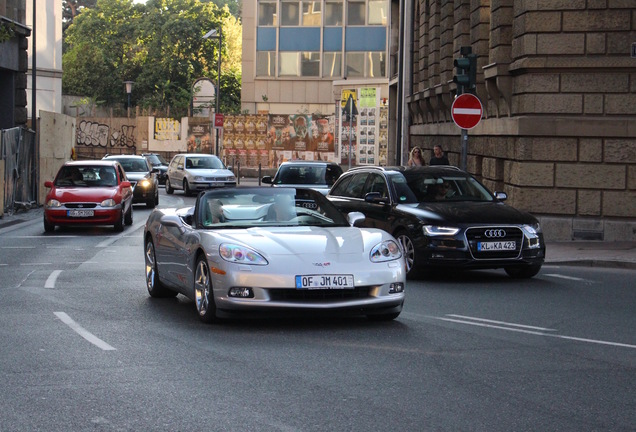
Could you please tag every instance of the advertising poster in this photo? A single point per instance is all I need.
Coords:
(323, 134)
(300, 140)
(167, 129)
(199, 138)
(367, 125)
(279, 131)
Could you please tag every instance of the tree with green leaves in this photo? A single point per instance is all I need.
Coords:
(158, 45)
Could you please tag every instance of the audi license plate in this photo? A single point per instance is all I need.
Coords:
(80, 213)
(312, 282)
(496, 246)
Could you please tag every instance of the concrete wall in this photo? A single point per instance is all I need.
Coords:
(57, 138)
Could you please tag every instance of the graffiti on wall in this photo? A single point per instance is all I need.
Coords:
(95, 134)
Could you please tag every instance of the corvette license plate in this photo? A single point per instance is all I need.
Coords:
(496, 246)
(80, 213)
(324, 282)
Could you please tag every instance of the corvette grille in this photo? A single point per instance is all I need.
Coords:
(318, 295)
(494, 234)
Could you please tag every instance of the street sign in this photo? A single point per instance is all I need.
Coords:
(466, 111)
(218, 120)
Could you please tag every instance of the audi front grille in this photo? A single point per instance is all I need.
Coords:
(494, 242)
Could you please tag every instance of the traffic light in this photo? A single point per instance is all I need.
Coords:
(465, 73)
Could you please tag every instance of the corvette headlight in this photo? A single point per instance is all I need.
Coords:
(53, 203)
(388, 250)
(108, 203)
(241, 254)
(434, 230)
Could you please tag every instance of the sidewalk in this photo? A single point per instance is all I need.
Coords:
(583, 253)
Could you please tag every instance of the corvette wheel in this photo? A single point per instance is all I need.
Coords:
(409, 252)
(204, 298)
(169, 189)
(153, 283)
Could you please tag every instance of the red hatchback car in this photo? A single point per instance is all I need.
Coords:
(89, 193)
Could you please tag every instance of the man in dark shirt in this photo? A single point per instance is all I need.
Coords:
(439, 158)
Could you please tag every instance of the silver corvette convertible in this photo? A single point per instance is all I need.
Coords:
(258, 250)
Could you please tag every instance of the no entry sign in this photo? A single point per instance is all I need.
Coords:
(466, 111)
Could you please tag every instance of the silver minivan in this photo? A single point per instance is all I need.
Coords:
(193, 172)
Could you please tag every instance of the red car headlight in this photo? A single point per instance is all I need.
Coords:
(108, 203)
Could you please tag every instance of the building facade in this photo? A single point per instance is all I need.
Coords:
(557, 82)
(47, 57)
(300, 57)
(13, 63)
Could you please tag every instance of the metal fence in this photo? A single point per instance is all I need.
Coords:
(18, 150)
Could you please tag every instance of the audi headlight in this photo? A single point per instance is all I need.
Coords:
(532, 229)
(388, 250)
(108, 203)
(531, 232)
(241, 254)
(53, 203)
(434, 230)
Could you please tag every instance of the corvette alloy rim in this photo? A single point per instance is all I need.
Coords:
(150, 265)
(202, 287)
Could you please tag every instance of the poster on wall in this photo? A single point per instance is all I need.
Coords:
(199, 138)
(367, 125)
(167, 129)
(268, 140)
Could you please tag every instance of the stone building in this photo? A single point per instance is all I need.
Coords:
(13, 63)
(558, 87)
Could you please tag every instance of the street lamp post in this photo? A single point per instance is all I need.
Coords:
(129, 90)
(217, 35)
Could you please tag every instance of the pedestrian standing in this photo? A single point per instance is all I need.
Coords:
(415, 157)
(439, 158)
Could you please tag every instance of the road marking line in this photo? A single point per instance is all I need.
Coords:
(18, 247)
(555, 275)
(34, 264)
(537, 333)
(50, 282)
(83, 332)
(500, 322)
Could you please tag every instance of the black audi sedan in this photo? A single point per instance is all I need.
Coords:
(443, 218)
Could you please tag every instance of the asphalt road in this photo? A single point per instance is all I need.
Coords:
(84, 348)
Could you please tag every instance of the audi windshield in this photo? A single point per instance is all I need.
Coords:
(429, 188)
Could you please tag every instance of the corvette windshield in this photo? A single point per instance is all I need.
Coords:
(265, 207)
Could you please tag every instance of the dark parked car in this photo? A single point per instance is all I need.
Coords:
(443, 217)
(158, 163)
(316, 175)
(142, 177)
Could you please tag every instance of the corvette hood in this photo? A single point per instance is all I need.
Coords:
(469, 212)
(84, 194)
(305, 240)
